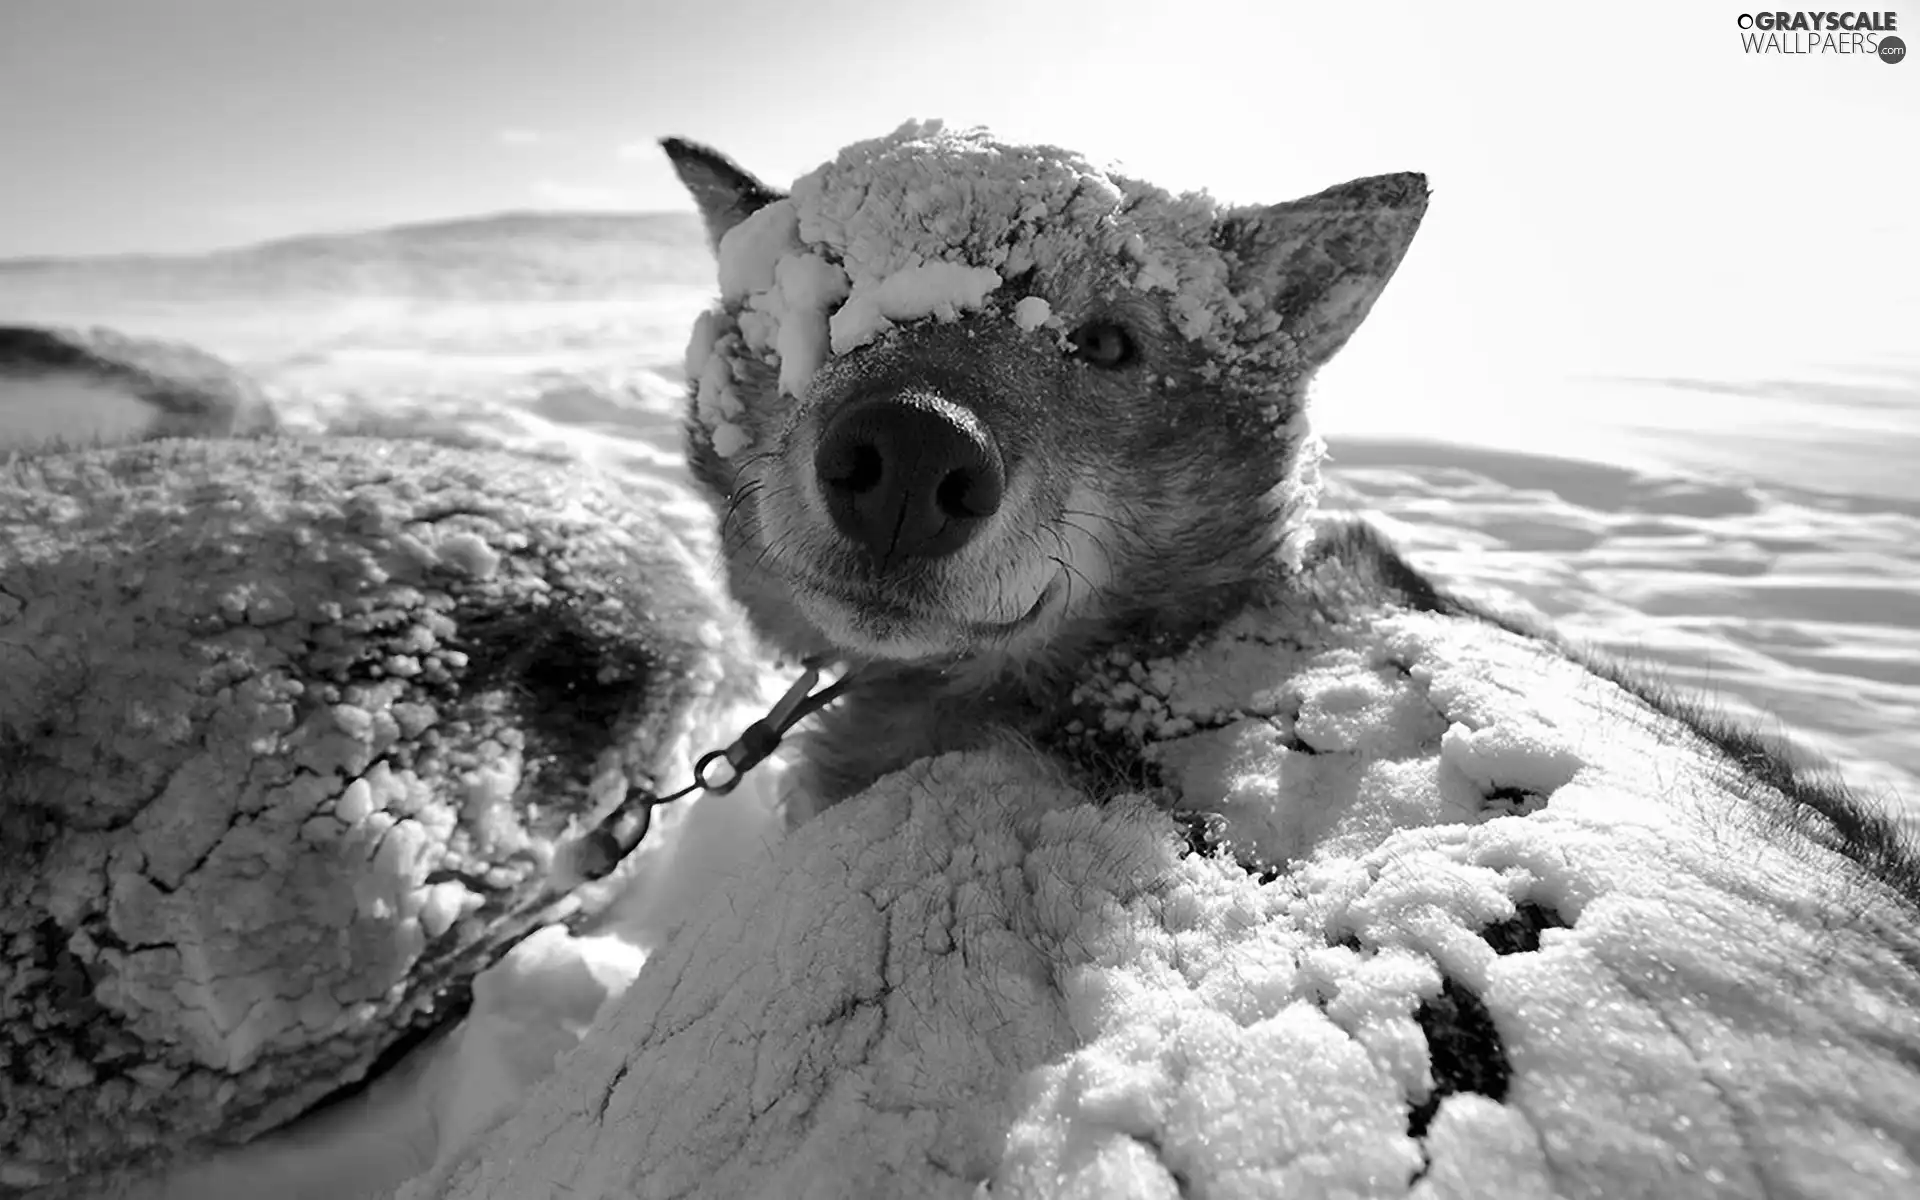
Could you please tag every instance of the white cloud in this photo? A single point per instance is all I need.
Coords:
(560, 194)
(643, 149)
(521, 137)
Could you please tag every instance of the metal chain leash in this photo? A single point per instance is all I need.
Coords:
(604, 847)
(596, 853)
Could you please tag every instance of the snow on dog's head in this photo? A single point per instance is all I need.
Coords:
(957, 390)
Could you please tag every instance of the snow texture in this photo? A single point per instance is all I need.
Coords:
(928, 223)
(286, 728)
(1533, 939)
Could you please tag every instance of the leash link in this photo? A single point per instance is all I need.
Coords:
(608, 844)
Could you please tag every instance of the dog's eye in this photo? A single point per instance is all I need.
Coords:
(1103, 344)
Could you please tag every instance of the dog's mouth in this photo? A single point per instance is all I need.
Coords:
(871, 622)
(902, 531)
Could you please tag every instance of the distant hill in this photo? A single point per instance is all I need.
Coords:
(513, 255)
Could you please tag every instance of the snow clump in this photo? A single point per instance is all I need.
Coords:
(927, 223)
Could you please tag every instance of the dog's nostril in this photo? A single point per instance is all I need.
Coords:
(852, 466)
(966, 494)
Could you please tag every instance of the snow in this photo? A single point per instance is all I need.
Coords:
(808, 286)
(715, 401)
(1164, 1024)
(927, 223)
(1032, 312)
(470, 554)
(1785, 604)
(730, 439)
(942, 290)
(528, 1008)
(751, 251)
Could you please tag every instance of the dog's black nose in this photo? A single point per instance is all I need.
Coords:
(911, 476)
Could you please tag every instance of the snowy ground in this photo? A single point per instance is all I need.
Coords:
(1765, 545)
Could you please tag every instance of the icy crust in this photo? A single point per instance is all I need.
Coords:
(286, 726)
(926, 223)
(1537, 944)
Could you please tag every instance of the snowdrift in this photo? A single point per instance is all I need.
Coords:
(1537, 938)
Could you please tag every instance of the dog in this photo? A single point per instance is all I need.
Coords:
(1096, 446)
(971, 509)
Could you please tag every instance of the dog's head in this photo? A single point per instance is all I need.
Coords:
(961, 397)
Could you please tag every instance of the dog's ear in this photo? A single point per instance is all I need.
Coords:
(725, 193)
(1319, 263)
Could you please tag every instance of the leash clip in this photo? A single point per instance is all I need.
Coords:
(607, 844)
(761, 738)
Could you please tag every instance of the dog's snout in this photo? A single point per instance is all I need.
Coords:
(910, 477)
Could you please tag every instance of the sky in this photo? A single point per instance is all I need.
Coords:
(1603, 175)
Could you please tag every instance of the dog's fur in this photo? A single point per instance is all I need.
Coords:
(1144, 506)
(1141, 502)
